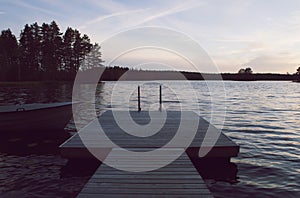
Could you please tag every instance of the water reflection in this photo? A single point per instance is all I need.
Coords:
(35, 93)
(261, 116)
(30, 163)
(32, 144)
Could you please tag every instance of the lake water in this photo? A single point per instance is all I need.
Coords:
(262, 117)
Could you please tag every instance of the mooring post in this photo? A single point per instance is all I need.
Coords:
(139, 99)
(160, 98)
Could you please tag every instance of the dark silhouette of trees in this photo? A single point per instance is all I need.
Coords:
(82, 47)
(44, 53)
(30, 52)
(75, 49)
(93, 58)
(247, 70)
(68, 45)
(298, 71)
(51, 50)
(241, 71)
(8, 55)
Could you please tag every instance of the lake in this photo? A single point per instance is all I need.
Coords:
(262, 117)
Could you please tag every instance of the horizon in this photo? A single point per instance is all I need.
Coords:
(265, 40)
(166, 70)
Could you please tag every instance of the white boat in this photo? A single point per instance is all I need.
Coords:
(35, 117)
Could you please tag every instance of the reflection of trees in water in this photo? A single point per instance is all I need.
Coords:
(35, 93)
(35, 159)
(32, 143)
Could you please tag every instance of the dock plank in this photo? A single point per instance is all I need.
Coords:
(74, 147)
(178, 179)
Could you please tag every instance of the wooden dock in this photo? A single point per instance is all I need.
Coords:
(223, 147)
(178, 179)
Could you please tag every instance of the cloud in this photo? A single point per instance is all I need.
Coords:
(110, 6)
(138, 16)
(105, 17)
(32, 7)
(2, 12)
(173, 10)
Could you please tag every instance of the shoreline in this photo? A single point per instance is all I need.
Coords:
(133, 80)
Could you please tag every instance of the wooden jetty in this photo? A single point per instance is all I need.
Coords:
(178, 179)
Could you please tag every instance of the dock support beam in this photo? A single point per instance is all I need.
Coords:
(160, 98)
(139, 99)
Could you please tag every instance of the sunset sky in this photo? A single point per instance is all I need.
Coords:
(263, 34)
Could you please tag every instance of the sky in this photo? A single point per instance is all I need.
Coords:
(176, 34)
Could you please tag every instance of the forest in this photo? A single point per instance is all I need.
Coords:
(44, 53)
(118, 73)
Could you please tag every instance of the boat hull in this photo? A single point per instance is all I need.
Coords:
(42, 120)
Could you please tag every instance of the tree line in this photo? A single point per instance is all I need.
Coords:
(45, 53)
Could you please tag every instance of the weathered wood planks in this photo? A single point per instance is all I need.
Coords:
(178, 179)
(218, 143)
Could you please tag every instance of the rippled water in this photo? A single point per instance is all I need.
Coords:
(31, 166)
(262, 117)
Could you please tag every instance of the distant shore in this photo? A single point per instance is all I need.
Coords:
(117, 73)
(125, 74)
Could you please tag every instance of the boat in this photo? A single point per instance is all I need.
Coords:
(37, 117)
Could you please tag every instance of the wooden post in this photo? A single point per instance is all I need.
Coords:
(139, 99)
(160, 98)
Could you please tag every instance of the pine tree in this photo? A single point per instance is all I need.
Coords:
(43, 53)
(51, 49)
(30, 49)
(8, 56)
(76, 47)
(68, 55)
(93, 59)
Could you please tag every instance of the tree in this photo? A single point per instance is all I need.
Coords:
(92, 59)
(298, 71)
(44, 54)
(247, 70)
(8, 55)
(68, 43)
(51, 49)
(30, 49)
(75, 48)
(241, 71)
(82, 47)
